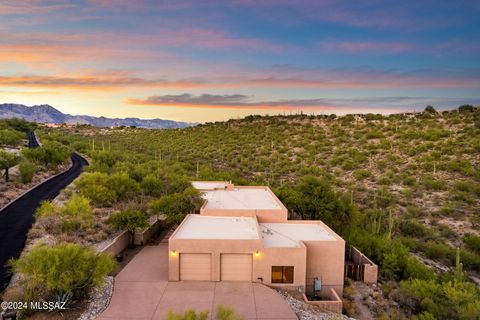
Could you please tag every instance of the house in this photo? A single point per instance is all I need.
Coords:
(243, 234)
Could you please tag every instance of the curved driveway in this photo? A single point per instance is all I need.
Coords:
(17, 217)
(142, 292)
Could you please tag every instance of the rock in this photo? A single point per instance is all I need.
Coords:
(99, 300)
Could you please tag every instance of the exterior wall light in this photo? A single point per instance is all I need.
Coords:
(256, 254)
(173, 253)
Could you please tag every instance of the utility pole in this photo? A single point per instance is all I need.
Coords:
(197, 169)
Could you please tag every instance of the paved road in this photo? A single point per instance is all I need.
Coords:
(17, 218)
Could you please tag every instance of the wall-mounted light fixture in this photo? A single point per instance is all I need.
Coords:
(173, 253)
(256, 253)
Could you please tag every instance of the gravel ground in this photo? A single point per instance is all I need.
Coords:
(99, 300)
(304, 311)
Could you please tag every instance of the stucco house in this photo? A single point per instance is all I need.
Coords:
(243, 234)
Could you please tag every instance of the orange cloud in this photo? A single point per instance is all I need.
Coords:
(95, 82)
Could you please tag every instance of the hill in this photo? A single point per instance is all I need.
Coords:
(404, 189)
(48, 114)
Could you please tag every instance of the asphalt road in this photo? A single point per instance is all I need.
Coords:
(17, 218)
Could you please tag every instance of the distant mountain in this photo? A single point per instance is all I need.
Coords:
(48, 114)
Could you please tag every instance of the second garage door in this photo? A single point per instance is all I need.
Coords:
(195, 266)
(236, 267)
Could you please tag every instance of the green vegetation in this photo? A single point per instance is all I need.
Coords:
(221, 313)
(27, 171)
(75, 214)
(65, 268)
(390, 185)
(175, 206)
(131, 220)
(8, 160)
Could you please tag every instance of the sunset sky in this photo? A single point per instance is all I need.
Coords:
(212, 60)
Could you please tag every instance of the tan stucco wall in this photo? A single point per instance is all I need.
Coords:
(262, 215)
(370, 274)
(326, 260)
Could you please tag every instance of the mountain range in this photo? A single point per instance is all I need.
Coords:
(48, 114)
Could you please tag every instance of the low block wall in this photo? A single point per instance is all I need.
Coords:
(335, 304)
(124, 239)
(144, 236)
(118, 244)
(370, 274)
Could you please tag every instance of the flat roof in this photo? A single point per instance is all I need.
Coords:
(209, 185)
(213, 227)
(290, 234)
(241, 198)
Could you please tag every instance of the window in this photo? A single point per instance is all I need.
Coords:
(282, 274)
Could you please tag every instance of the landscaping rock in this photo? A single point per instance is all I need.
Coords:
(99, 300)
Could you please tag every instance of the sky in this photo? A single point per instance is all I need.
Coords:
(210, 60)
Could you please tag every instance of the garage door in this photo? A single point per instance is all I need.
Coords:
(236, 267)
(195, 266)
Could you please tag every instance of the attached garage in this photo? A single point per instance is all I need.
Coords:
(196, 266)
(236, 267)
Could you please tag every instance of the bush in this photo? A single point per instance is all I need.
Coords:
(75, 214)
(472, 242)
(187, 315)
(27, 171)
(432, 184)
(64, 268)
(415, 269)
(50, 153)
(466, 108)
(222, 313)
(104, 189)
(440, 300)
(413, 228)
(130, 219)
(430, 109)
(10, 137)
(176, 206)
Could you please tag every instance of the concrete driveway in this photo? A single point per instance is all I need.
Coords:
(142, 291)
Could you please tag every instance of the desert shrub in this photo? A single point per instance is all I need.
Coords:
(314, 199)
(152, 185)
(466, 108)
(225, 313)
(361, 174)
(430, 109)
(413, 228)
(415, 269)
(7, 161)
(130, 220)
(175, 206)
(122, 184)
(433, 184)
(104, 189)
(27, 171)
(10, 137)
(409, 181)
(472, 242)
(435, 250)
(187, 315)
(50, 153)
(440, 300)
(64, 268)
(75, 214)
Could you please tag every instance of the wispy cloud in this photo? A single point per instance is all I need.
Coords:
(95, 82)
(239, 101)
